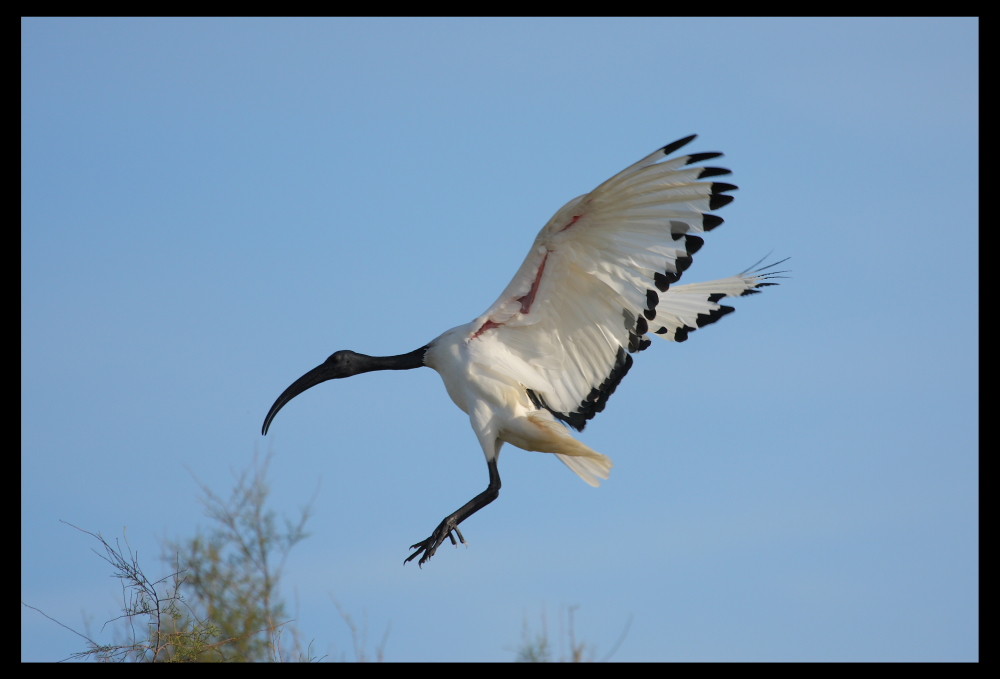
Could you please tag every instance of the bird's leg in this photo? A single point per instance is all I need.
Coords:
(448, 528)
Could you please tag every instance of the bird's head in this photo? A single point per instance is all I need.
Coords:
(340, 364)
(344, 364)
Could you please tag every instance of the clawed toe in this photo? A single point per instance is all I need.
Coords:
(425, 549)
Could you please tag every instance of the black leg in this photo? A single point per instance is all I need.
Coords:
(448, 528)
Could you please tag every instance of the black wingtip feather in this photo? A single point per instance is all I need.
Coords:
(713, 172)
(713, 316)
(718, 197)
(698, 157)
(673, 146)
(663, 280)
(709, 222)
(719, 200)
(681, 334)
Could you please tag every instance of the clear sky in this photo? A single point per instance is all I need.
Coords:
(210, 207)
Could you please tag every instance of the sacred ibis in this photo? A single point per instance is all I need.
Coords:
(600, 276)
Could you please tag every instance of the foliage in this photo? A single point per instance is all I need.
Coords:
(231, 574)
(220, 599)
(536, 645)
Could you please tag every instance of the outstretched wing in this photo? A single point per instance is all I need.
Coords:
(601, 274)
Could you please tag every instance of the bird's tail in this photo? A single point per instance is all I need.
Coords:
(592, 469)
(549, 436)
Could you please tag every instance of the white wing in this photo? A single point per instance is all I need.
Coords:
(601, 274)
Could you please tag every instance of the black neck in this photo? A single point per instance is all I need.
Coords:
(414, 359)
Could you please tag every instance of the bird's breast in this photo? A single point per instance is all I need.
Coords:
(473, 372)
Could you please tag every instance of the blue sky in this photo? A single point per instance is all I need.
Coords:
(210, 207)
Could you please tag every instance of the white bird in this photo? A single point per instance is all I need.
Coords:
(551, 350)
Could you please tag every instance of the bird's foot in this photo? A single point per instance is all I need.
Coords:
(427, 548)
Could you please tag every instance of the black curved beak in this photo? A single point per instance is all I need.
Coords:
(320, 373)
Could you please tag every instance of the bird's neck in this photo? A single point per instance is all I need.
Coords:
(414, 359)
